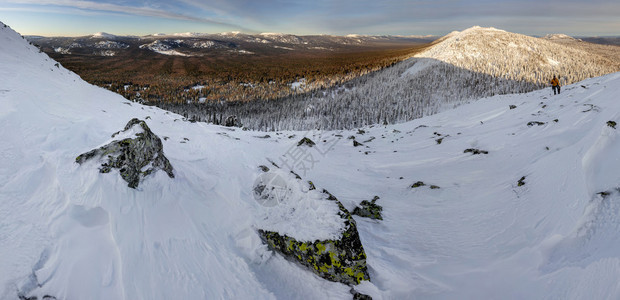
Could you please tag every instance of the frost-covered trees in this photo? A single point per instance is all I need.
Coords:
(462, 66)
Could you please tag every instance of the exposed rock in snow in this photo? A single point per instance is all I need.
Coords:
(334, 255)
(136, 152)
(305, 142)
(369, 209)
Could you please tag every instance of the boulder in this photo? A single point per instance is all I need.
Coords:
(340, 258)
(612, 124)
(136, 152)
(306, 141)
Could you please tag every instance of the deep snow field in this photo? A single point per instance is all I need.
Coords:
(68, 231)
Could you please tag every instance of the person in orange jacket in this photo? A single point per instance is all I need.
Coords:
(555, 84)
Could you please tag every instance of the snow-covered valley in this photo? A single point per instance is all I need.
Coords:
(533, 215)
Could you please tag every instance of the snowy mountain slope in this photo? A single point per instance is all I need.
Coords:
(518, 57)
(460, 67)
(103, 35)
(67, 230)
(609, 51)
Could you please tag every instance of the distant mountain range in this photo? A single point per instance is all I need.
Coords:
(202, 44)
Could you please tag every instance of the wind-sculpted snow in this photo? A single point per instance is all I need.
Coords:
(534, 218)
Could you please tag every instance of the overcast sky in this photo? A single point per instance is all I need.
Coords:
(396, 17)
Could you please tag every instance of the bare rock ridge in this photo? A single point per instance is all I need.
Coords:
(137, 152)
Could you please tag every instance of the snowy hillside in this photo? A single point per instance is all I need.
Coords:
(517, 57)
(460, 67)
(511, 197)
(103, 35)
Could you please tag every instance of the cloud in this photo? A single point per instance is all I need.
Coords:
(132, 10)
(366, 16)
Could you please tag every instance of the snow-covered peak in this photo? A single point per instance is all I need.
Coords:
(231, 33)
(558, 36)
(103, 35)
(272, 34)
(481, 29)
(190, 34)
(516, 56)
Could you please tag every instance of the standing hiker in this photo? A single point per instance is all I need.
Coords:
(555, 84)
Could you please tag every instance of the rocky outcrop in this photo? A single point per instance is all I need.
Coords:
(369, 209)
(306, 141)
(475, 151)
(136, 153)
(339, 260)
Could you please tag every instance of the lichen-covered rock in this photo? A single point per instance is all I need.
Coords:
(417, 184)
(369, 209)
(306, 141)
(341, 259)
(136, 153)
